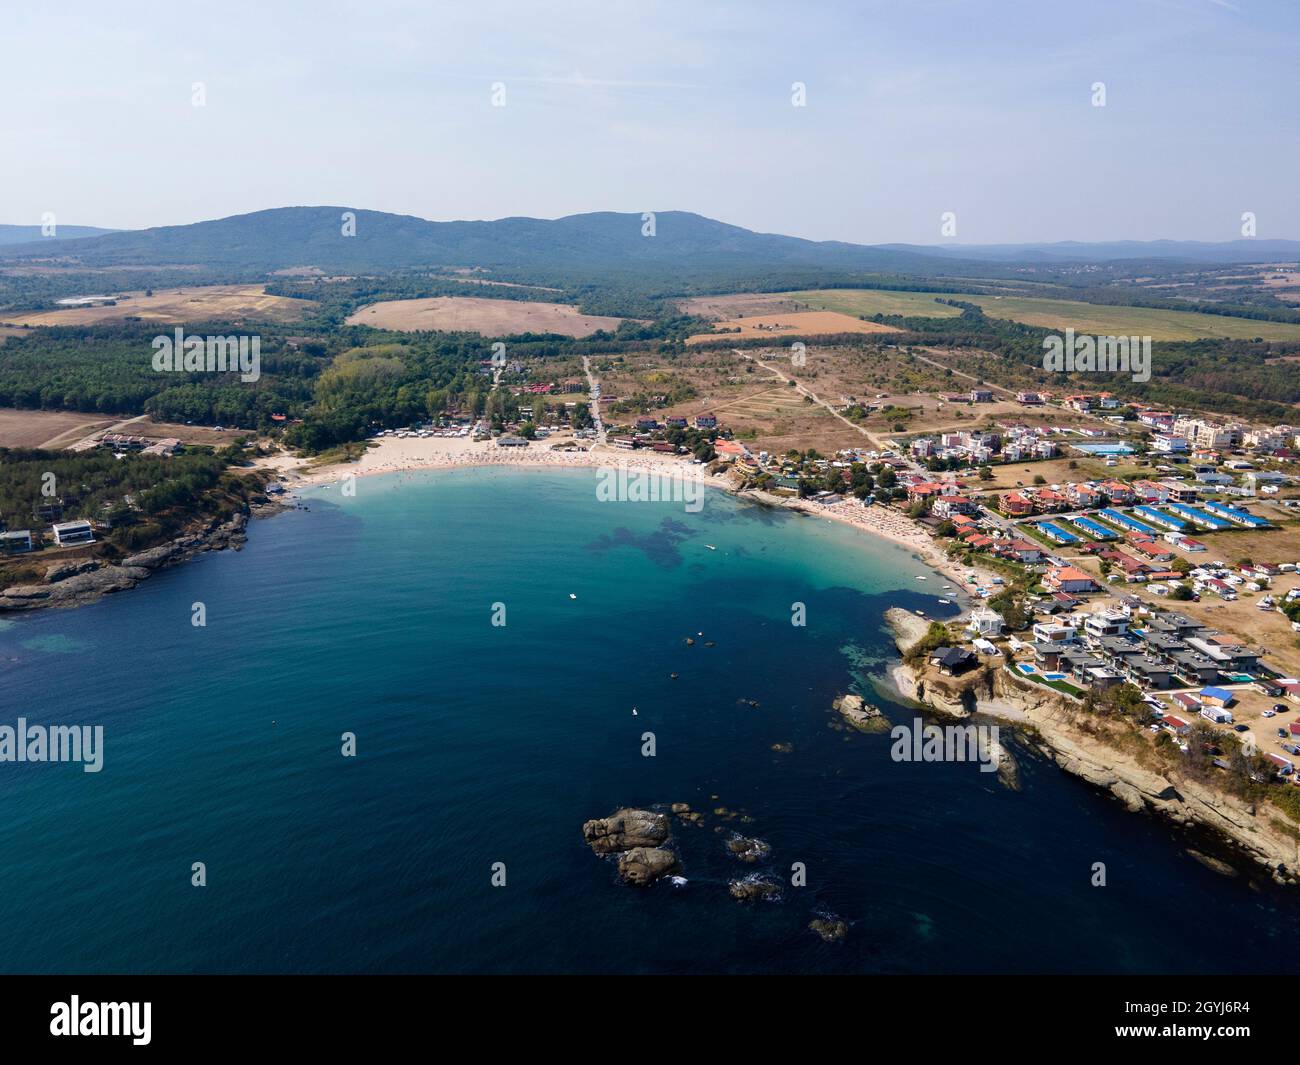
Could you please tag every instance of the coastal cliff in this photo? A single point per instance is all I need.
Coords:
(76, 583)
(1257, 833)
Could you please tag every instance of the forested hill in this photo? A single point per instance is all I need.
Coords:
(314, 236)
(33, 234)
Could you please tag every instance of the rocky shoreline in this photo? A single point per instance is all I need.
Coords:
(1049, 720)
(79, 582)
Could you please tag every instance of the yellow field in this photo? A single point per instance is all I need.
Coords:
(802, 324)
(204, 303)
(473, 314)
(1051, 314)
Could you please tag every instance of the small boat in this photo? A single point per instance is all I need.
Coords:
(710, 547)
(946, 602)
(920, 613)
(919, 577)
(572, 596)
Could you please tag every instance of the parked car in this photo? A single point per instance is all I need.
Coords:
(1240, 728)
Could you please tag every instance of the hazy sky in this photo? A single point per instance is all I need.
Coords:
(914, 107)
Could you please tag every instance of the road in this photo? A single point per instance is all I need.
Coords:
(594, 386)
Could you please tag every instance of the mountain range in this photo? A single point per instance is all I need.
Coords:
(286, 237)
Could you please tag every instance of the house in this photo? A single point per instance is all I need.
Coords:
(981, 395)
(1217, 714)
(1217, 697)
(951, 660)
(985, 622)
(1284, 766)
(69, 533)
(1175, 725)
(946, 506)
(1082, 495)
(15, 542)
(1149, 548)
(1017, 504)
(1031, 399)
(1228, 656)
(1117, 491)
(1148, 675)
(1170, 443)
(676, 423)
(707, 420)
(647, 424)
(1105, 623)
(1022, 551)
(1188, 702)
(925, 489)
(1069, 579)
(1050, 499)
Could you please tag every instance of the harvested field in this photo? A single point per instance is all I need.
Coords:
(489, 317)
(53, 428)
(741, 305)
(234, 304)
(1104, 320)
(877, 301)
(799, 324)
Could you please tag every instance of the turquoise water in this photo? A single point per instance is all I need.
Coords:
(479, 744)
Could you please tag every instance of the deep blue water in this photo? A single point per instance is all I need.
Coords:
(480, 744)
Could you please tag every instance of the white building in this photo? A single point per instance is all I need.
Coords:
(985, 622)
(68, 533)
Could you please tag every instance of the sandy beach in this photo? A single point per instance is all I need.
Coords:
(400, 455)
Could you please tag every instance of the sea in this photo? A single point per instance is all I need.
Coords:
(377, 751)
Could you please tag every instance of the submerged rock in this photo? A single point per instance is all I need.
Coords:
(1215, 864)
(625, 829)
(831, 929)
(748, 850)
(752, 888)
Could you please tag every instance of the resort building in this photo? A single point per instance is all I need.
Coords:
(15, 542)
(68, 533)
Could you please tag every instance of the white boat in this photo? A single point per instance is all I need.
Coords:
(946, 602)
(572, 596)
(710, 547)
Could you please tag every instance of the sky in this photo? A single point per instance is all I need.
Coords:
(913, 110)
